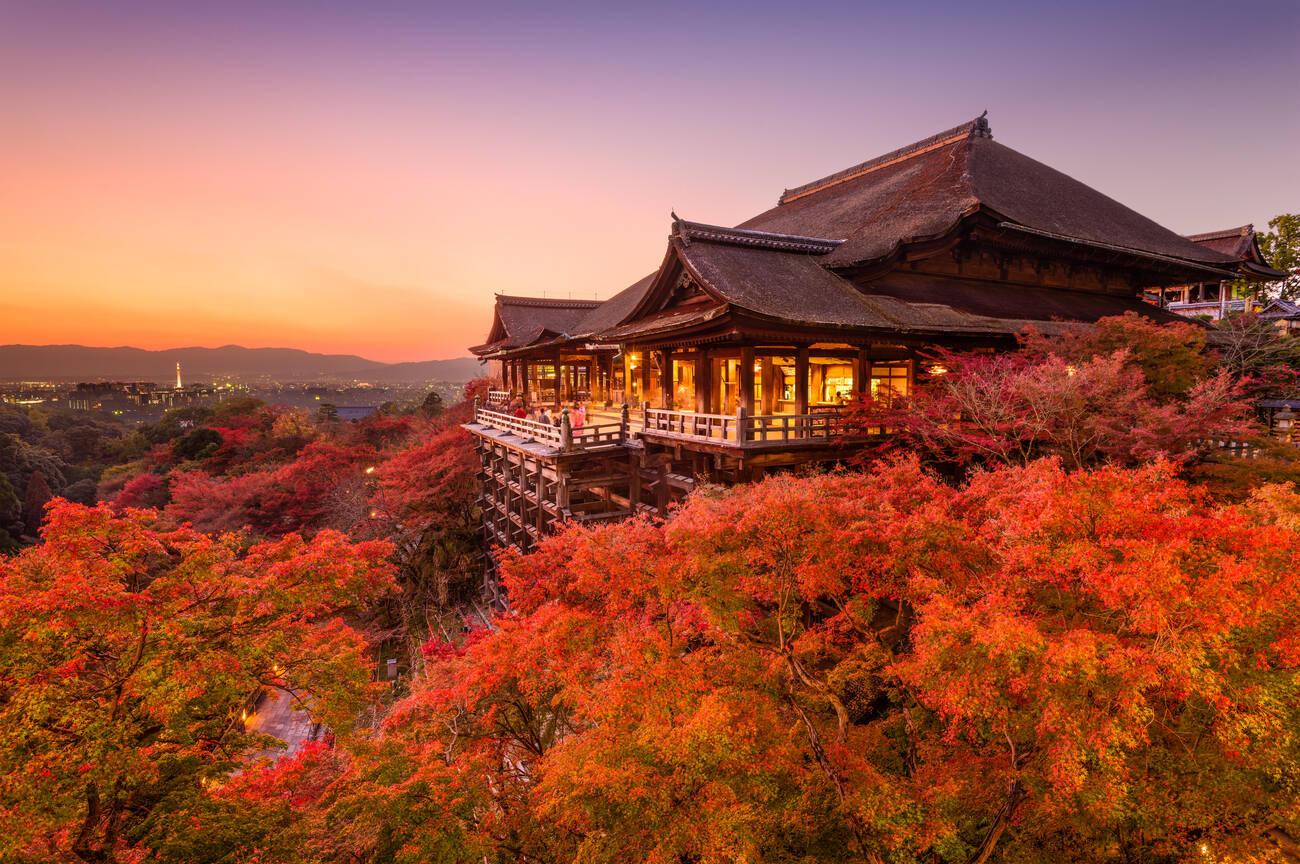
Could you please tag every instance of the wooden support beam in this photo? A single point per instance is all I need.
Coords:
(559, 379)
(634, 480)
(661, 489)
(703, 382)
(538, 485)
(747, 379)
(666, 378)
(862, 372)
(562, 490)
(801, 380)
(645, 376)
(768, 390)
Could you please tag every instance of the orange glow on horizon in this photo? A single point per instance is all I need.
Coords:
(356, 179)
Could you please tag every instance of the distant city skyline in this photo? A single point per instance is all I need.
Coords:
(362, 181)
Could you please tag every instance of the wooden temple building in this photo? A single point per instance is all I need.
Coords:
(737, 355)
(1216, 299)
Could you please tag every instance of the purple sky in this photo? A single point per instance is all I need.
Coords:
(363, 180)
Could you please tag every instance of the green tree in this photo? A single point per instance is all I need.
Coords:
(1281, 248)
(11, 516)
(197, 444)
(37, 496)
(432, 405)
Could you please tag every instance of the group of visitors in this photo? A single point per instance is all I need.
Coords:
(550, 416)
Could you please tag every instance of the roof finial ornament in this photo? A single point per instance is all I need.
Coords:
(679, 228)
(980, 128)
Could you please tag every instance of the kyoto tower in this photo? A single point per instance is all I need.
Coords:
(178, 376)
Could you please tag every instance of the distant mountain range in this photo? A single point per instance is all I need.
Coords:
(82, 363)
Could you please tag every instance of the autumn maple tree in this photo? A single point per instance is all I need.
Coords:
(1038, 665)
(1124, 392)
(128, 652)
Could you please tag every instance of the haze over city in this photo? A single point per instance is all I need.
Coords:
(363, 181)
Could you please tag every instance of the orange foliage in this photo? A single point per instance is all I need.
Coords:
(865, 667)
(128, 651)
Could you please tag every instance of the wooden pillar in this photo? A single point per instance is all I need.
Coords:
(666, 378)
(559, 378)
(661, 488)
(703, 382)
(645, 377)
(747, 379)
(769, 393)
(862, 372)
(523, 503)
(801, 380)
(634, 481)
(561, 490)
(523, 365)
(540, 486)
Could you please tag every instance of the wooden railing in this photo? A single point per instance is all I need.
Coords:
(737, 430)
(563, 436)
(1238, 449)
(498, 398)
(715, 427)
(742, 429)
(599, 434)
(820, 425)
(531, 430)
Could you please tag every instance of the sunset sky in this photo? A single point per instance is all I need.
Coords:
(362, 180)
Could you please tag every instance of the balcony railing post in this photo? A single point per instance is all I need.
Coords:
(566, 431)
(740, 425)
(476, 408)
(645, 416)
(622, 423)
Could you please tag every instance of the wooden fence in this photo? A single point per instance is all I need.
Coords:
(741, 428)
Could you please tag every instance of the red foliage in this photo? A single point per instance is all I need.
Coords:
(380, 431)
(299, 496)
(875, 666)
(1171, 357)
(1012, 408)
(128, 651)
(433, 483)
(142, 490)
(476, 389)
(215, 504)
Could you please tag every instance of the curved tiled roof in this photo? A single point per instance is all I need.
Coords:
(1237, 242)
(797, 288)
(611, 312)
(1242, 245)
(924, 190)
(518, 321)
(783, 263)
